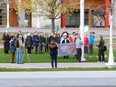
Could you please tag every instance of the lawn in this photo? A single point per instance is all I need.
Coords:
(56, 69)
(45, 58)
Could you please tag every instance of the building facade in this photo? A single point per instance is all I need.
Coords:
(94, 16)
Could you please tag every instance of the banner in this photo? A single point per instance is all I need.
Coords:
(67, 49)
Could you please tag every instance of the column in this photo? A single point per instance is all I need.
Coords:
(63, 20)
(107, 3)
(7, 26)
(90, 18)
(21, 17)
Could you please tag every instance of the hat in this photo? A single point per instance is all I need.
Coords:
(65, 34)
(29, 34)
(6, 31)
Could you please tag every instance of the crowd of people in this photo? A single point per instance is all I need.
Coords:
(16, 43)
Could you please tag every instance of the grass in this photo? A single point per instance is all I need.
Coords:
(57, 69)
(45, 58)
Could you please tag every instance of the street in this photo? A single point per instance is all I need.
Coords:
(58, 79)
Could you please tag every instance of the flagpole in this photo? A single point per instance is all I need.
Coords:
(110, 63)
(82, 26)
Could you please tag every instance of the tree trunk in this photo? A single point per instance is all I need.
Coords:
(53, 25)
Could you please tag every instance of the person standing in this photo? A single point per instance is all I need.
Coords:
(53, 53)
(20, 33)
(79, 44)
(101, 49)
(6, 39)
(35, 40)
(86, 45)
(46, 42)
(19, 48)
(28, 43)
(91, 42)
(12, 49)
(65, 40)
(41, 41)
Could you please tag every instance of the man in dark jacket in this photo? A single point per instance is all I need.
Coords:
(46, 42)
(41, 41)
(35, 40)
(28, 43)
(101, 49)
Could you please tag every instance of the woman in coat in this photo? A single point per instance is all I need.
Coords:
(53, 53)
(6, 40)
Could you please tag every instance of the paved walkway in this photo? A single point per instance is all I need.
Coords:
(48, 65)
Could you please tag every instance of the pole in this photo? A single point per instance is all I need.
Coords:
(7, 14)
(82, 26)
(110, 63)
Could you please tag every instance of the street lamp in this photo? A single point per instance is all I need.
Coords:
(82, 26)
(110, 63)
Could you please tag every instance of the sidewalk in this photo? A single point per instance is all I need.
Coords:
(48, 65)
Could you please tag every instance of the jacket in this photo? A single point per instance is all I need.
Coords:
(12, 46)
(91, 39)
(53, 50)
(85, 41)
(35, 40)
(28, 41)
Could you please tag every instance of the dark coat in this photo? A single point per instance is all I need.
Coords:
(67, 41)
(35, 40)
(6, 40)
(58, 39)
(101, 44)
(52, 38)
(46, 40)
(18, 37)
(12, 46)
(28, 41)
(53, 51)
(41, 39)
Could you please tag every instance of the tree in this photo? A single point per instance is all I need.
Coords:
(49, 9)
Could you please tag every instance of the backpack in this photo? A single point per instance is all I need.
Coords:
(105, 48)
(17, 43)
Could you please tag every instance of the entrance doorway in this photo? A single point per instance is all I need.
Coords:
(74, 19)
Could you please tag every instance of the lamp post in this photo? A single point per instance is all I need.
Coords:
(110, 63)
(82, 26)
(7, 2)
